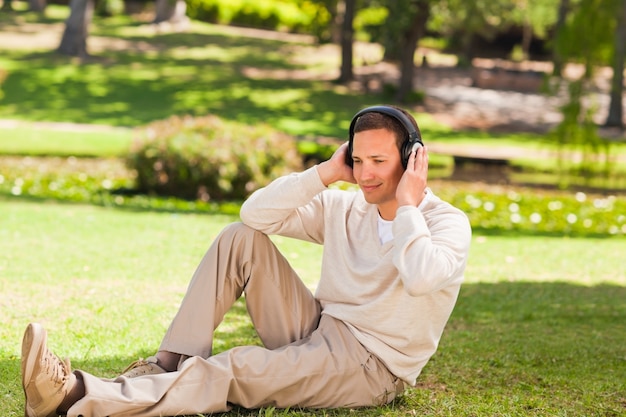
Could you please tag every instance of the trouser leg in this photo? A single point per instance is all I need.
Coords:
(242, 259)
(329, 368)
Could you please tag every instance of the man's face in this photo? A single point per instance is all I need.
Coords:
(377, 168)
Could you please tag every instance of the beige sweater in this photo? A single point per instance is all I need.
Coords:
(395, 297)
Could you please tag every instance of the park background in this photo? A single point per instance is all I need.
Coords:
(539, 328)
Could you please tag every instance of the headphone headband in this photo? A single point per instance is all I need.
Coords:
(413, 136)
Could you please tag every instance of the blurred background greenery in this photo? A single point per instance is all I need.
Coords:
(110, 91)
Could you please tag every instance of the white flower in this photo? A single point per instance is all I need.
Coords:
(555, 205)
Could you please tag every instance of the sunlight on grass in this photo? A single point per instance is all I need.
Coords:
(534, 321)
(23, 139)
(279, 99)
(530, 259)
(207, 52)
(95, 265)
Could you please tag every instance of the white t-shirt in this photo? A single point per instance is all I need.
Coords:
(384, 226)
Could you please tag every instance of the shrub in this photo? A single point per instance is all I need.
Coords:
(209, 159)
(285, 15)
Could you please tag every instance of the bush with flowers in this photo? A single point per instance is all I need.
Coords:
(490, 209)
(525, 210)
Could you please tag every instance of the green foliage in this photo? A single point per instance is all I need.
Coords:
(63, 179)
(578, 133)
(369, 22)
(209, 159)
(109, 7)
(587, 36)
(460, 20)
(490, 210)
(541, 15)
(284, 15)
(525, 210)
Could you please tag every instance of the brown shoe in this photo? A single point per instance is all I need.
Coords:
(46, 379)
(142, 367)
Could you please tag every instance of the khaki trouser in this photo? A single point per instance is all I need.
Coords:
(308, 359)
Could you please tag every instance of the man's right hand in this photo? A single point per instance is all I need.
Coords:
(335, 169)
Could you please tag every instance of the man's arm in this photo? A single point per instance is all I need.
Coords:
(335, 168)
(430, 246)
(290, 205)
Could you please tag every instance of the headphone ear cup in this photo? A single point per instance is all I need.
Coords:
(406, 152)
(349, 161)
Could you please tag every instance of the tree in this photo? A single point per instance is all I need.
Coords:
(462, 22)
(587, 38)
(615, 116)
(173, 12)
(557, 58)
(74, 40)
(345, 11)
(420, 12)
(37, 5)
(401, 38)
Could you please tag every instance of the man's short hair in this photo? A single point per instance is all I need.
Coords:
(375, 120)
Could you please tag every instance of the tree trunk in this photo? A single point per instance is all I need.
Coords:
(74, 40)
(7, 5)
(557, 59)
(37, 5)
(173, 12)
(409, 42)
(614, 118)
(527, 38)
(347, 41)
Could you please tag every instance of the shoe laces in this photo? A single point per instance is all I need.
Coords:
(58, 370)
(139, 362)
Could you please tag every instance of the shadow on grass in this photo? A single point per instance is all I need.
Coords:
(554, 346)
(154, 77)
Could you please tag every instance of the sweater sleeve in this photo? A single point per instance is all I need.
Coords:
(289, 206)
(430, 246)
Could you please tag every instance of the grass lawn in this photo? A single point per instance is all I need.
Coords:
(539, 329)
(23, 138)
(540, 325)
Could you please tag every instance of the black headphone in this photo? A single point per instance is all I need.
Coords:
(413, 140)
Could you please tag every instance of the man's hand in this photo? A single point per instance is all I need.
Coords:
(335, 168)
(410, 191)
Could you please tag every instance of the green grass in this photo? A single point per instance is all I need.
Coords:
(209, 70)
(78, 141)
(539, 326)
(538, 329)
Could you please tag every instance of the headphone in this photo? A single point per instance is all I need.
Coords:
(413, 140)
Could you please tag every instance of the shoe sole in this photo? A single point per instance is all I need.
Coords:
(34, 339)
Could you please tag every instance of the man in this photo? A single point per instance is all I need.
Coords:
(393, 262)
